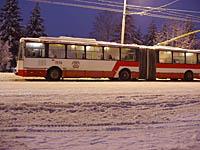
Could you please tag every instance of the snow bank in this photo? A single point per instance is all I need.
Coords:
(36, 114)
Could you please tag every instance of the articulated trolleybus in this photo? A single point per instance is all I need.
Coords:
(66, 57)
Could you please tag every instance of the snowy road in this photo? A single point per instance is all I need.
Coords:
(36, 114)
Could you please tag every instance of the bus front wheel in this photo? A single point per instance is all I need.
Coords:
(54, 74)
(188, 76)
(124, 75)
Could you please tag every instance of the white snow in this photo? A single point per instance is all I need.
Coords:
(98, 114)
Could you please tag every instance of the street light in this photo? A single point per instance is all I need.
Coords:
(123, 22)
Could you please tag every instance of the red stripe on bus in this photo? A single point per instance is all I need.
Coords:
(176, 66)
(88, 74)
(170, 75)
(125, 64)
(175, 75)
(197, 75)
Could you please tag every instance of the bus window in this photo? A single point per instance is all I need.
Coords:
(56, 51)
(178, 57)
(35, 50)
(198, 61)
(191, 58)
(165, 57)
(94, 52)
(75, 52)
(128, 54)
(111, 53)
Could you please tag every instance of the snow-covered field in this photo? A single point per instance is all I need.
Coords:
(92, 115)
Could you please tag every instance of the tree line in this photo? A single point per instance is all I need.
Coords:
(106, 27)
(11, 30)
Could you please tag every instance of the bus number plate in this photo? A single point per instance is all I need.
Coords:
(58, 62)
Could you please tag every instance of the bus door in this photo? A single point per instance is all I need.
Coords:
(151, 63)
(147, 64)
(143, 63)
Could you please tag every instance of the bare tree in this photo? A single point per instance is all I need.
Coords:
(132, 34)
(103, 26)
(174, 29)
(150, 38)
(5, 56)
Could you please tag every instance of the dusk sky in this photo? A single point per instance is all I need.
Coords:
(63, 20)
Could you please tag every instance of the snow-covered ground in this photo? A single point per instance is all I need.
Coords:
(100, 114)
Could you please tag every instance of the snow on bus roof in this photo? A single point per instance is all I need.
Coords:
(169, 48)
(62, 39)
(88, 41)
(85, 41)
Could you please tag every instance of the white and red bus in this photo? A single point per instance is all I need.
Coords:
(66, 57)
(177, 63)
(63, 57)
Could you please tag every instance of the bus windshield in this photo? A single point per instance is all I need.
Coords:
(35, 50)
(20, 52)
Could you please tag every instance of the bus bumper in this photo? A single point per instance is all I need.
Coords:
(31, 73)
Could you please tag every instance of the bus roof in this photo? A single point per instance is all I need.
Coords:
(94, 42)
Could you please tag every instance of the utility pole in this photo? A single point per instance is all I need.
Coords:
(123, 22)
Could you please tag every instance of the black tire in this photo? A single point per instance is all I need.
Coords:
(174, 79)
(113, 79)
(124, 75)
(54, 74)
(188, 76)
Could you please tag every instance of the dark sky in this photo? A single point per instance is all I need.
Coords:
(72, 21)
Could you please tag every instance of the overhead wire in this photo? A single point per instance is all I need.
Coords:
(76, 5)
(163, 9)
(168, 4)
(162, 6)
(167, 14)
(112, 2)
(171, 13)
(170, 17)
(98, 3)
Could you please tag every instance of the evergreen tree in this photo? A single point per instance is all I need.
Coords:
(131, 35)
(151, 37)
(35, 27)
(10, 28)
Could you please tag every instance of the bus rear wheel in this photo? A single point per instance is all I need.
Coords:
(54, 74)
(188, 76)
(124, 75)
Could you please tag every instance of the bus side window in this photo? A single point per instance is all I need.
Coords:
(110, 56)
(178, 57)
(198, 61)
(94, 52)
(57, 51)
(165, 57)
(75, 51)
(111, 53)
(128, 54)
(191, 58)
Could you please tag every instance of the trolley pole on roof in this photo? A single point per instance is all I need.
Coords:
(123, 22)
